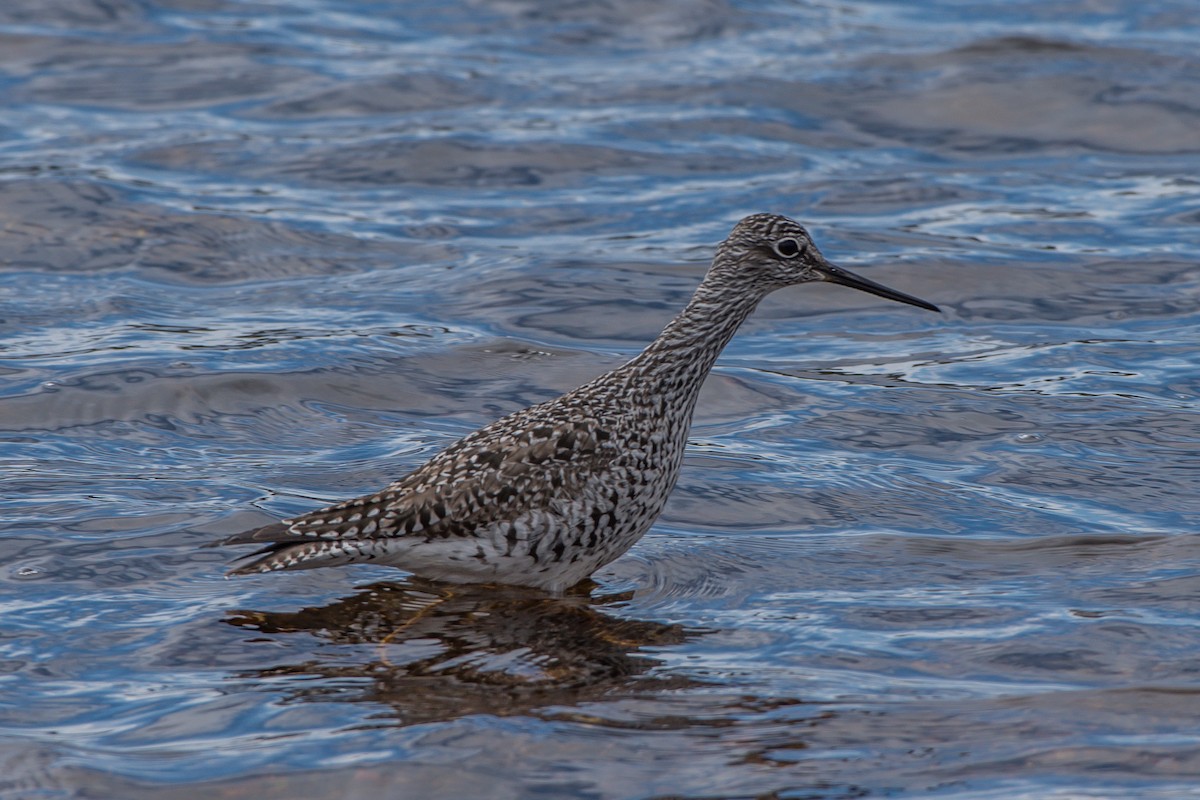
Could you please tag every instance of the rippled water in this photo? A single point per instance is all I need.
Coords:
(257, 256)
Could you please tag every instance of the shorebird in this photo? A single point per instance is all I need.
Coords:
(547, 495)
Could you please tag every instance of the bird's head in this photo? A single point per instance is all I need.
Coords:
(765, 252)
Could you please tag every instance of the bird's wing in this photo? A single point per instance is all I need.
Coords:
(497, 473)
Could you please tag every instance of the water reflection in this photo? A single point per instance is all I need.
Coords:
(435, 652)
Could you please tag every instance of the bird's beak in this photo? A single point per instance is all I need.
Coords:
(835, 274)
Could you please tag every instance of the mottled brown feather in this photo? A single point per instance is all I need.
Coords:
(469, 491)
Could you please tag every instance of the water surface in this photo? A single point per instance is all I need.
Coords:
(260, 256)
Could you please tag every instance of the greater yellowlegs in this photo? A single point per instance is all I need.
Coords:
(547, 495)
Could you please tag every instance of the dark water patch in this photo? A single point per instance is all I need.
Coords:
(175, 76)
(98, 228)
(619, 25)
(1052, 94)
(400, 94)
(71, 15)
(432, 162)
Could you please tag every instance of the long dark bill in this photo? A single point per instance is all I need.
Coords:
(835, 274)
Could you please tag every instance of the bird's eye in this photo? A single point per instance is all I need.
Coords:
(788, 248)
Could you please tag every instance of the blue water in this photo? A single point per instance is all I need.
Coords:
(259, 256)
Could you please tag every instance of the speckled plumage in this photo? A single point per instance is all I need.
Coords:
(547, 495)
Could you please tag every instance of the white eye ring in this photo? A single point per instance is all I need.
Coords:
(788, 248)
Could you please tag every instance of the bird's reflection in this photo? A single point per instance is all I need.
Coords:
(435, 652)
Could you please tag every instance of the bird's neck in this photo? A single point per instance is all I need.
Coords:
(683, 354)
